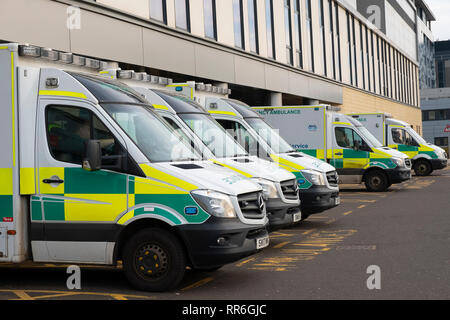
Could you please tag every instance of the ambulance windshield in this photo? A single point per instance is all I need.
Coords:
(270, 136)
(370, 139)
(155, 138)
(416, 136)
(213, 135)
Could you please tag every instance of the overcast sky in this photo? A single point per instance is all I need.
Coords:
(440, 27)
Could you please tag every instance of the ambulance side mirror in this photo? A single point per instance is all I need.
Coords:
(93, 158)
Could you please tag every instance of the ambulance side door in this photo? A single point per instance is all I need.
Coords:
(79, 206)
(349, 153)
(403, 141)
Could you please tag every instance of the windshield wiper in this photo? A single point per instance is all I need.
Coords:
(239, 155)
(186, 159)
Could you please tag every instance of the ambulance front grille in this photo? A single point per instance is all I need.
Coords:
(252, 205)
(408, 163)
(332, 178)
(290, 189)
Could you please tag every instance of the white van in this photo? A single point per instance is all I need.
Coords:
(91, 174)
(397, 134)
(341, 141)
(317, 180)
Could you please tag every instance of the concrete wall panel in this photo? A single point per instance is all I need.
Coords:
(19, 22)
(102, 36)
(165, 52)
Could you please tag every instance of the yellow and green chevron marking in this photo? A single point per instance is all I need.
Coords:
(104, 196)
(412, 151)
(295, 169)
(6, 193)
(351, 159)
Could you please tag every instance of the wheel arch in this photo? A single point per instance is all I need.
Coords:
(143, 223)
(373, 169)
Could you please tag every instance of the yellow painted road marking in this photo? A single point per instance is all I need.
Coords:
(281, 245)
(362, 206)
(118, 297)
(280, 235)
(240, 264)
(311, 244)
(198, 284)
(360, 194)
(358, 200)
(56, 295)
(347, 213)
(316, 244)
(22, 295)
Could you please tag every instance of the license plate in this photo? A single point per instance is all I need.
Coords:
(337, 201)
(296, 217)
(262, 242)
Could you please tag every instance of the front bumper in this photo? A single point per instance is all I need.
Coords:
(438, 164)
(204, 250)
(318, 198)
(280, 214)
(398, 175)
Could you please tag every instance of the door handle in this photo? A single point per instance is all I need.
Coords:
(49, 181)
(339, 154)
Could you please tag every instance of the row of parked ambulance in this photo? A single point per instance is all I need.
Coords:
(100, 167)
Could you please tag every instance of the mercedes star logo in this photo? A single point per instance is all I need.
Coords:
(261, 204)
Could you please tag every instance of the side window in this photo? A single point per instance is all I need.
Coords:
(348, 138)
(344, 137)
(410, 141)
(398, 136)
(70, 128)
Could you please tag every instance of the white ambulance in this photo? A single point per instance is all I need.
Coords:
(318, 181)
(91, 174)
(397, 134)
(341, 141)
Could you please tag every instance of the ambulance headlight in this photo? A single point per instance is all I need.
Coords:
(398, 161)
(216, 203)
(315, 177)
(441, 154)
(269, 188)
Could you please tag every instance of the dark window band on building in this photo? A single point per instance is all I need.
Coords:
(323, 31)
(287, 28)
(309, 31)
(253, 26)
(332, 35)
(349, 45)
(209, 11)
(298, 34)
(238, 16)
(270, 30)
(182, 15)
(338, 38)
(158, 10)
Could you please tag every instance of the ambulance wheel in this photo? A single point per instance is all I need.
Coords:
(154, 260)
(305, 215)
(422, 168)
(376, 181)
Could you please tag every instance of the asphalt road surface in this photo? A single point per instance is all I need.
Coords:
(405, 232)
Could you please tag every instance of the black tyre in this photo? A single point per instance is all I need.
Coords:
(376, 181)
(422, 168)
(305, 215)
(154, 260)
